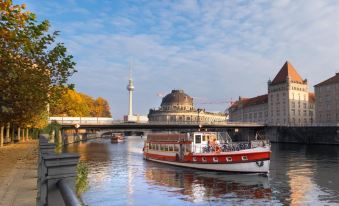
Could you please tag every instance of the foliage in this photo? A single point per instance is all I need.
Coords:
(77, 104)
(50, 128)
(101, 108)
(81, 183)
(32, 66)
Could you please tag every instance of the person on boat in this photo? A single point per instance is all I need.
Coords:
(208, 144)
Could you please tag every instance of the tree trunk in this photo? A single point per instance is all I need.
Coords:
(13, 133)
(22, 133)
(19, 134)
(7, 132)
(60, 137)
(2, 136)
(27, 131)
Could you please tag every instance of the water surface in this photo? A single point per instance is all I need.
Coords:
(118, 175)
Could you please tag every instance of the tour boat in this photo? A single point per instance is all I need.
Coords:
(117, 137)
(208, 151)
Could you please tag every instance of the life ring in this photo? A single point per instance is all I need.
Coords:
(260, 163)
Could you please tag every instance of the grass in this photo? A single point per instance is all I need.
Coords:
(81, 183)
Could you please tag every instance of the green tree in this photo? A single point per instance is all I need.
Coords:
(34, 68)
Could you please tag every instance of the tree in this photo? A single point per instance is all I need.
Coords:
(77, 104)
(34, 69)
(101, 108)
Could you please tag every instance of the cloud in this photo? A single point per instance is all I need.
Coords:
(211, 49)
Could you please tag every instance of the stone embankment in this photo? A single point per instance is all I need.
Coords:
(303, 135)
(18, 174)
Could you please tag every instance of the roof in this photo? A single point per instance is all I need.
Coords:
(332, 80)
(245, 102)
(311, 97)
(177, 97)
(287, 70)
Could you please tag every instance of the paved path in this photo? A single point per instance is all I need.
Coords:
(18, 174)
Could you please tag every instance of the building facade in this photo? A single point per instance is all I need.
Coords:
(178, 107)
(287, 102)
(250, 110)
(327, 101)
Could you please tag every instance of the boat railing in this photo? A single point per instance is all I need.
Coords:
(234, 146)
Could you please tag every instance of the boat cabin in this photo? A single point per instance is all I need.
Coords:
(203, 140)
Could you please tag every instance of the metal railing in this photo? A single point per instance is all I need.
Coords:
(68, 195)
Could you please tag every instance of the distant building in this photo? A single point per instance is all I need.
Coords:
(249, 110)
(288, 102)
(178, 107)
(327, 101)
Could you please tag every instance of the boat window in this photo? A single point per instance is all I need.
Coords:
(198, 139)
(170, 147)
(204, 138)
(229, 159)
(204, 159)
(194, 159)
(215, 159)
(244, 158)
(176, 147)
(166, 147)
(162, 148)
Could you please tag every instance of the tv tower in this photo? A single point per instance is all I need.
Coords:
(130, 88)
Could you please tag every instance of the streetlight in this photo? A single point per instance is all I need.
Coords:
(198, 120)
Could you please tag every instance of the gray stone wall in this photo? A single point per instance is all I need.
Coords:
(304, 135)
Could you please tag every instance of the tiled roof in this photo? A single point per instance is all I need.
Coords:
(287, 71)
(332, 80)
(245, 102)
(311, 97)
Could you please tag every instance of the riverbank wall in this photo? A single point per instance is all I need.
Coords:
(303, 135)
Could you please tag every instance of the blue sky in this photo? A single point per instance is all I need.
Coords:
(214, 50)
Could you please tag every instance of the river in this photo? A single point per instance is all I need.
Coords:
(118, 175)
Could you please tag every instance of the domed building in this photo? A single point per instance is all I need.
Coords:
(177, 106)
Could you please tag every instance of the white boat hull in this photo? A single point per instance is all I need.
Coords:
(246, 167)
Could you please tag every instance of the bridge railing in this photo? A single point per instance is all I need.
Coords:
(202, 123)
(116, 122)
(83, 120)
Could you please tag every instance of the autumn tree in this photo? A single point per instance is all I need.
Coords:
(101, 108)
(77, 104)
(34, 68)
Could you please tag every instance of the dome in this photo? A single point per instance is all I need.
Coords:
(177, 99)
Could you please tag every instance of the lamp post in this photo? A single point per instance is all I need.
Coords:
(198, 121)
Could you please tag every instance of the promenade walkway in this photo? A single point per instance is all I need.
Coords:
(18, 174)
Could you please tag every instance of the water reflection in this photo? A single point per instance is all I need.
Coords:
(91, 151)
(198, 186)
(305, 175)
(299, 175)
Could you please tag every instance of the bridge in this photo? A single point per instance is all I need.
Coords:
(109, 123)
(75, 129)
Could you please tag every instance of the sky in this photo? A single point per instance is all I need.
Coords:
(215, 51)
